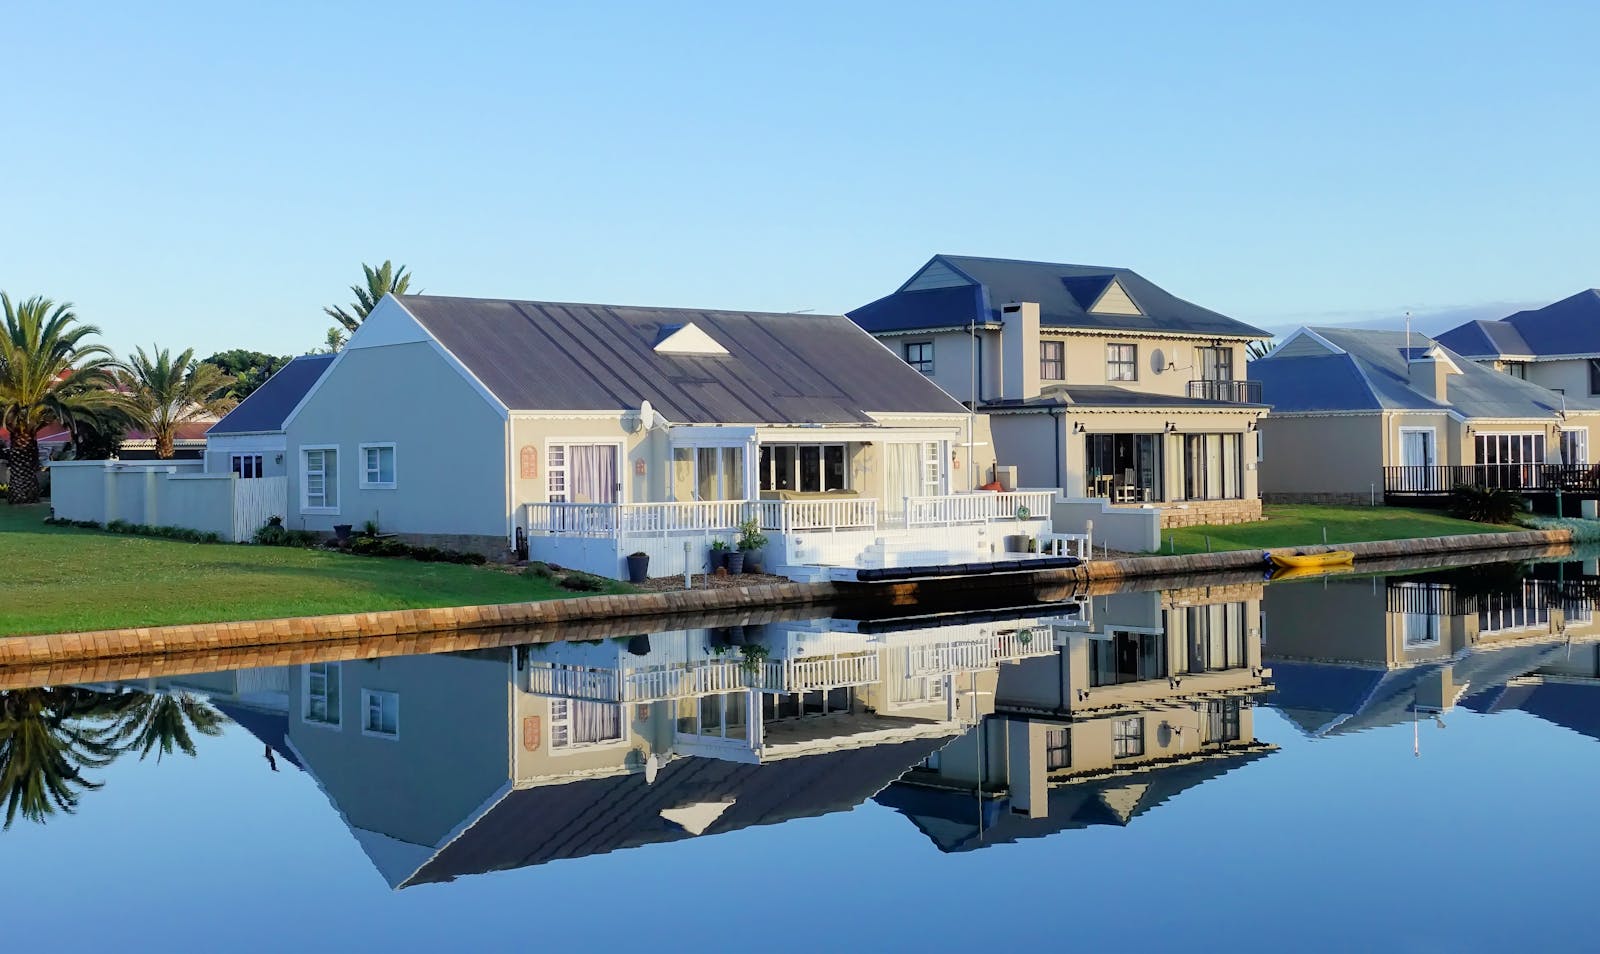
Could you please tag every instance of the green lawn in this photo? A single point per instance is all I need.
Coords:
(1295, 525)
(60, 579)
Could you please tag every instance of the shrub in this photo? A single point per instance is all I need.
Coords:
(750, 536)
(539, 571)
(1485, 504)
(582, 582)
(390, 547)
(274, 534)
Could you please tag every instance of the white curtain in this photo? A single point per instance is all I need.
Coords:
(596, 722)
(902, 476)
(593, 473)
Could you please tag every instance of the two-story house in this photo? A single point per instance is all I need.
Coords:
(1093, 380)
(1557, 346)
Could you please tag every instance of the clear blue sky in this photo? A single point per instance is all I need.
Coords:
(211, 175)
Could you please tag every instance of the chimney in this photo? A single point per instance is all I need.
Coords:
(1428, 373)
(1019, 350)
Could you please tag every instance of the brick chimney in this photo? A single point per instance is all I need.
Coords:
(1019, 350)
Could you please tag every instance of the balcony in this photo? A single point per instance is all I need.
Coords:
(1231, 392)
(1438, 480)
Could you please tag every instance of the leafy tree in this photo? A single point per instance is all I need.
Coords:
(383, 280)
(49, 374)
(47, 738)
(162, 722)
(334, 342)
(166, 392)
(98, 435)
(249, 369)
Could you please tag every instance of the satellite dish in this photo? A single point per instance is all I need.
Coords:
(647, 415)
(652, 767)
(1158, 360)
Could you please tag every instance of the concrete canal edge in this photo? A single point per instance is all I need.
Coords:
(34, 651)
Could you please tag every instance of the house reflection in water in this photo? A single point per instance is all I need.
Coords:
(1150, 694)
(1353, 653)
(450, 765)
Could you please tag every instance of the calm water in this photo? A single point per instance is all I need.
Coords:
(1395, 762)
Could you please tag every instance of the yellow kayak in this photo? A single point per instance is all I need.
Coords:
(1299, 560)
(1283, 574)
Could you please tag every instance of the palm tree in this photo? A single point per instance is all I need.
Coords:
(46, 740)
(161, 722)
(166, 392)
(383, 280)
(1258, 349)
(49, 374)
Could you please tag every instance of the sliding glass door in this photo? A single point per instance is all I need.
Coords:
(1123, 467)
(1213, 467)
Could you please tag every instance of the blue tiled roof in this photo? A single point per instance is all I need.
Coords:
(1369, 372)
(1064, 293)
(265, 410)
(1570, 326)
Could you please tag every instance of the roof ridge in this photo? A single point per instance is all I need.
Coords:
(1031, 261)
(673, 308)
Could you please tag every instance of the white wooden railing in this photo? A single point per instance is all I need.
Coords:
(951, 509)
(841, 513)
(574, 682)
(822, 672)
(636, 519)
(967, 655)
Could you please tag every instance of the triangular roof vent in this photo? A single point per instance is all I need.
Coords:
(1115, 301)
(687, 339)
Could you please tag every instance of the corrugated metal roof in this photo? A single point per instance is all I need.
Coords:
(593, 816)
(1570, 326)
(269, 406)
(1064, 293)
(1372, 374)
(1108, 395)
(780, 368)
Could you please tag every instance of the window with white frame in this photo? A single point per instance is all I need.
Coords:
(380, 713)
(319, 479)
(1575, 446)
(377, 466)
(1127, 738)
(708, 473)
(320, 694)
(575, 723)
(919, 354)
(1122, 362)
(247, 466)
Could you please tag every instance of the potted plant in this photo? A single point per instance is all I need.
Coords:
(719, 555)
(751, 541)
(1018, 542)
(735, 561)
(341, 531)
(638, 566)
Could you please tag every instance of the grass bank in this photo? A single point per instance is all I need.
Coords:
(1302, 525)
(62, 579)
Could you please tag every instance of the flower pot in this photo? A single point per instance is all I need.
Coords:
(735, 561)
(341, 531)
(638, 567)
(639, 645)
(1016, 542)
(718, 561)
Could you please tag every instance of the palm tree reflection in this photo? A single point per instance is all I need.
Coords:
(50, 736)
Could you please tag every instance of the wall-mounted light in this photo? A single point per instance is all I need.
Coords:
(1172, 428)
(1077, 427)
(1250, 426)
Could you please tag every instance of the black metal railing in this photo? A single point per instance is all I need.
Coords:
(1523, 478)
(1233, 392)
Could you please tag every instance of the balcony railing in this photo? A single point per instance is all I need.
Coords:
(1233, 392)
(977, 508)
(1439, 479)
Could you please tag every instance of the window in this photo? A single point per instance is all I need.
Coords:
(1124, 467)
(319, 483)
(320, 693)
(1216, 637)
(1215, 364)
(1213, 468)
(381, 713)
(1222, 721)
(1517, 369)
(1575, 447)
(1511, 461)
(1122, 362)
(810, 468)
(575, 723)
(1052, 360)
(1057, 749)
(1594, 377)
(1127, 738)
(583, 473)
(247, 466)
(919, 354)
(1127, 657)
(377, 466)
